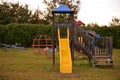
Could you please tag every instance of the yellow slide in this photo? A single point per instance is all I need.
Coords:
(65, 54)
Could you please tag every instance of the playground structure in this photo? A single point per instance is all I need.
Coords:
(70, 37)
(62, 35)
(42, 41)
(99, 48)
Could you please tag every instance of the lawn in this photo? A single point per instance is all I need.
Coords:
(16, 64)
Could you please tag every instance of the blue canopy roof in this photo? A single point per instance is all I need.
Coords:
(62, 9)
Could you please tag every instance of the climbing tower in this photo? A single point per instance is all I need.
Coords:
(63, 18)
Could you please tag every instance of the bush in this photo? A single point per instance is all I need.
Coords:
(22, 33)
(25, 33)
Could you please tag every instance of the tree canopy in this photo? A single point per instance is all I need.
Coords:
(115, 21)
(16, 13)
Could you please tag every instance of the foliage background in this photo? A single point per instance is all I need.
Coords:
(18, 24)
(22, 33)
(25, 33)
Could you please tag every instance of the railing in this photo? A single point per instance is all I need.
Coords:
(95, 46)
(86, 40)
(103, 46)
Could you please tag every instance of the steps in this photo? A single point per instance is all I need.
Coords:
(102, 61)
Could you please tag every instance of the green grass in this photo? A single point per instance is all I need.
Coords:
(16, 64)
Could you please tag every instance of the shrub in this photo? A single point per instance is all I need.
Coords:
(25, 33)
(22, 33)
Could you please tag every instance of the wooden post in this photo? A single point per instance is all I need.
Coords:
(111, 46)
(72, 36)
(53, 40)
(93, 46)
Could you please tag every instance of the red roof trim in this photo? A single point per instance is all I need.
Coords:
(80, 23)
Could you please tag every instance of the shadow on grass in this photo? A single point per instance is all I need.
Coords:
(4, 77)
(105, 67)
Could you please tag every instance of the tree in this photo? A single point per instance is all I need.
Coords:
(115, 21)
(19, 13)
(24, 14)
(37, 18)
(52, 4)
(91, 25)
(13, 12)
(4, 13)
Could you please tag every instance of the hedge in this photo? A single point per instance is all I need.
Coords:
(22, 33)
(25, 33)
